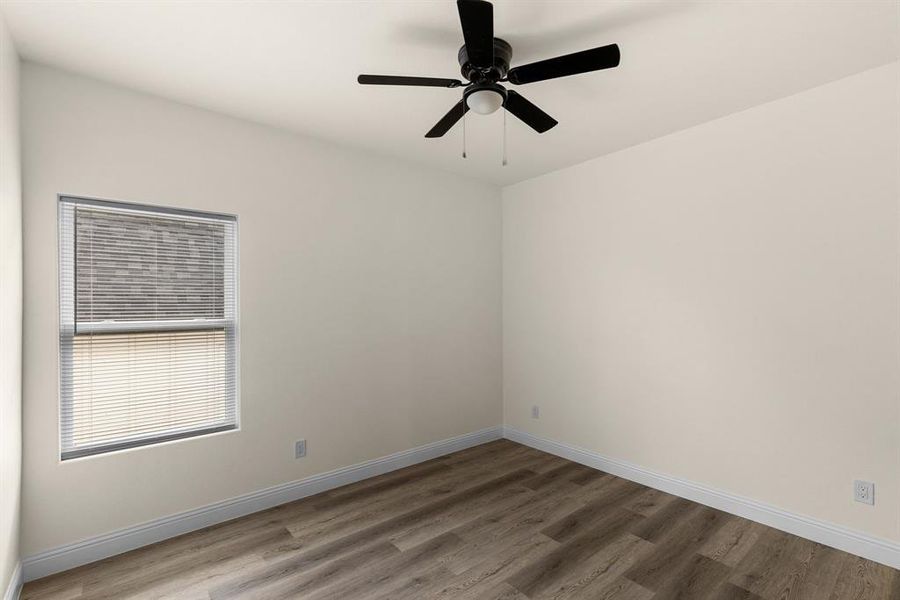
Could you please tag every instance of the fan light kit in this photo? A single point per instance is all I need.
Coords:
(484, 62)
(484, 102)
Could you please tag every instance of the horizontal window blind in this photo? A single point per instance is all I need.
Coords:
(148, 325)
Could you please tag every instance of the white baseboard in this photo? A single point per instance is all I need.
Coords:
(879, 550)
(14, 588)
(96, 548)
(123, 540)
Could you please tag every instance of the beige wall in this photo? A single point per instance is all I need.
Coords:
(10, 308)
(370, 301)
(720, 304)
(723, 304)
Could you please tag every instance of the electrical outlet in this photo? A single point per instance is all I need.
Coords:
(864, 491)
(300, 449)
(535, 412)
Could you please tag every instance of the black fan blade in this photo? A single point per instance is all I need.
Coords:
(605, 57)
(401, 80)
(530, 114)
(449, 120)
(477, 20)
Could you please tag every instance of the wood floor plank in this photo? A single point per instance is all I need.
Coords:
(393, 573)
(424, 585)
(824, 569)
(330, 521)
(729, 591)
(677, 548)
(499, 521)
(507, 528)
(319, 554)
(503, 591)
(53, 590)
(560, 476)
(530, 507)
(649, 502)
(694, 579)
(765, 562)
(660, 524)
(861, 579)
(368, 490)
(733, 541)
(423, 530)
(612, 495)
(515, 457)
(593, 489)
(618, 589)
(555, 569)
(169, 578)
(595, 577)
(790, 577)
(786, 566)
(329, 524)
(491, 570)
(589, 475)
(120, 568)
(478, 454)
(304, 582)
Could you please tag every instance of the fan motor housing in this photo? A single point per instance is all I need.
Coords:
(502, 58)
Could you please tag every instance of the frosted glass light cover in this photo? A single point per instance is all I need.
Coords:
(484, 102)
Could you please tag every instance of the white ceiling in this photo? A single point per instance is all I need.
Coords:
(293, 65)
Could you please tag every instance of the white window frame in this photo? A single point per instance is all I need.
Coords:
(67, 326)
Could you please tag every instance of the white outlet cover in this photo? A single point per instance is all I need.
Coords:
(535, 412)
(864, 491)
(300, 449)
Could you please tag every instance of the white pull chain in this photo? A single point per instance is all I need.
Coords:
(464, 128)
(504, 137)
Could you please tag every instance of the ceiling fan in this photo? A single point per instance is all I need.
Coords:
(484, 62)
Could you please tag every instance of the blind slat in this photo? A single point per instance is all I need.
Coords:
(148, 325)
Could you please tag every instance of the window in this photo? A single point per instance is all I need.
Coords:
(148, 325)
